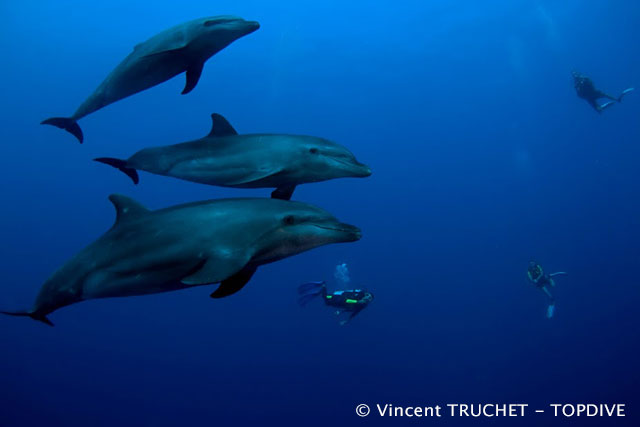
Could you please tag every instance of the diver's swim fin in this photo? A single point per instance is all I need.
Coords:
(606, 105)
(550, 310)
(35, 316)
(67, 124)
(310, 291)
(234, 283)
(121, 165)
(624, 92)
(311, 288)
(306, 299)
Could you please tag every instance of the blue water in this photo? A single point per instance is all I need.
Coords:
(483, 158)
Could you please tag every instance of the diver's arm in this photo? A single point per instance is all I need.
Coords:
(354, 313)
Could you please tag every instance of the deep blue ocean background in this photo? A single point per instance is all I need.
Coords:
(483, 158)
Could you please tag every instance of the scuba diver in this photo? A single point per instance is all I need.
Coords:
(544, 281)
(587, 91)
(345, 301)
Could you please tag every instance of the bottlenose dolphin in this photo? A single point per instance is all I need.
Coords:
(183, 48)
(227, 159)
(216, 241)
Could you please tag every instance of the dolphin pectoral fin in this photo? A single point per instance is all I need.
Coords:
(283, 193)
(193, 76)
(234, 283)
(220, 126)
(32, 314)
(167, 53)
(67, 124)
(252, 176)
(216, 269)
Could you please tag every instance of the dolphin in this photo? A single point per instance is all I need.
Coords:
(216, 241)
(227, 159)
(183, 48)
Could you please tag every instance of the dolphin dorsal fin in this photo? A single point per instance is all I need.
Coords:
(220, 126)
(126, 207)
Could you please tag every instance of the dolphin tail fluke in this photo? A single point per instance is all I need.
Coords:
(67, 124)
(32, 314)
(121, 165)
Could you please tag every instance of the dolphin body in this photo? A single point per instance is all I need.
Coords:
(217, 241)
(227, 159)
(183, 48)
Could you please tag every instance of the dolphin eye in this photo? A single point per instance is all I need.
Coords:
(289, 220)
(313, 150)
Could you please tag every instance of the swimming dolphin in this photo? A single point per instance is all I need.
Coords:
(227, 159)
(183, 48)
(217, 241)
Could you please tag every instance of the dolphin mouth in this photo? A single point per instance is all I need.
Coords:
(360, 170)
(354, 232)
(365, 171)
(252, 26)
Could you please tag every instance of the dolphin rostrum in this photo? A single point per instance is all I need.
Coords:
(227, 159)
(183, 48)
(217, 241)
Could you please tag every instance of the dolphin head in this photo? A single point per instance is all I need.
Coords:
(298, 227)
(322, 159)
(214, 33)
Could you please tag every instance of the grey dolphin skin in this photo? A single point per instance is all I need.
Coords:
(227, 159)
(218, 241)
(183, 48)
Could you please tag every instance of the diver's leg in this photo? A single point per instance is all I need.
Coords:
(559, 273)
(309, 291)
(552, 303)
(595, 105)
(608, 104)
(606, 95)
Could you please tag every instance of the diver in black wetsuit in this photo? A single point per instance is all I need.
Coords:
(544, 281)
(587, 91)
(351, 301)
